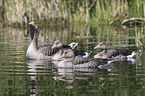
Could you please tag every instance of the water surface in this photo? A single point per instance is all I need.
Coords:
(21, 77)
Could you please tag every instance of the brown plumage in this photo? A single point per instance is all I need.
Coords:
(34, 52)
(113, 53)
(70, 60)
(58, 44)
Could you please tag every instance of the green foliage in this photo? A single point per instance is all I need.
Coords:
(98, 11)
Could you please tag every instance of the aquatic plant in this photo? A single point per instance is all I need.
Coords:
(89, 11)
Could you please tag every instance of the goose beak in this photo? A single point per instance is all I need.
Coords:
(54, 45)
(101, 66)
(31, 23)
(97, 47)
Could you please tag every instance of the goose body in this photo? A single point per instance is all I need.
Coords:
(114, 53)
(58, 44)
(34, 52)
(72, 61)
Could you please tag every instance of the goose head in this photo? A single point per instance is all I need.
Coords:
(101, 45)
(57, 44)
(33, 25)
(68, 54)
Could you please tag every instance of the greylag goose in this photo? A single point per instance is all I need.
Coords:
(58, 44)
(114, 53)
(72, 61)
(34, 52)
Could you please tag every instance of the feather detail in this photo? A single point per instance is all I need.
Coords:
(114, 53)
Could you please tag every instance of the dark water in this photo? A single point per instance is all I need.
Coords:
(19, 77)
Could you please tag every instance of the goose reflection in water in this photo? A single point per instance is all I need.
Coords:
(71, 75)
(36, 66)
(35, 69)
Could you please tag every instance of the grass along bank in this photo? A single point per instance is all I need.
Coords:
(72, 11)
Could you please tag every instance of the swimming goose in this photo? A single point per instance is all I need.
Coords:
(58, 44)
(60, 47)
(34, 52)
(72, 61)
(114, 53)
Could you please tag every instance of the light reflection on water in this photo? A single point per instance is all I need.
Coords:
(41, 77)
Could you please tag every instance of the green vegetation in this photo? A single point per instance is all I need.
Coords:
(69, 11)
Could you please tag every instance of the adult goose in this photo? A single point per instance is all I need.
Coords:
(34, 52)
(58, 44)
(114, 53)
(72, 61)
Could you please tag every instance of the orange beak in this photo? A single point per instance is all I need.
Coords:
(31, 23)
(97, 47)
(53, 46)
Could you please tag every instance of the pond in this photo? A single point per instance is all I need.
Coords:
(21, 77)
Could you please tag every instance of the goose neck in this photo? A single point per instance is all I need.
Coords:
(34, 36)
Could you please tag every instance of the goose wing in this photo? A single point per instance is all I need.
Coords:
(124, 52)
(111, 53)
(47, 50)
(80, 61)
(117, 52)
